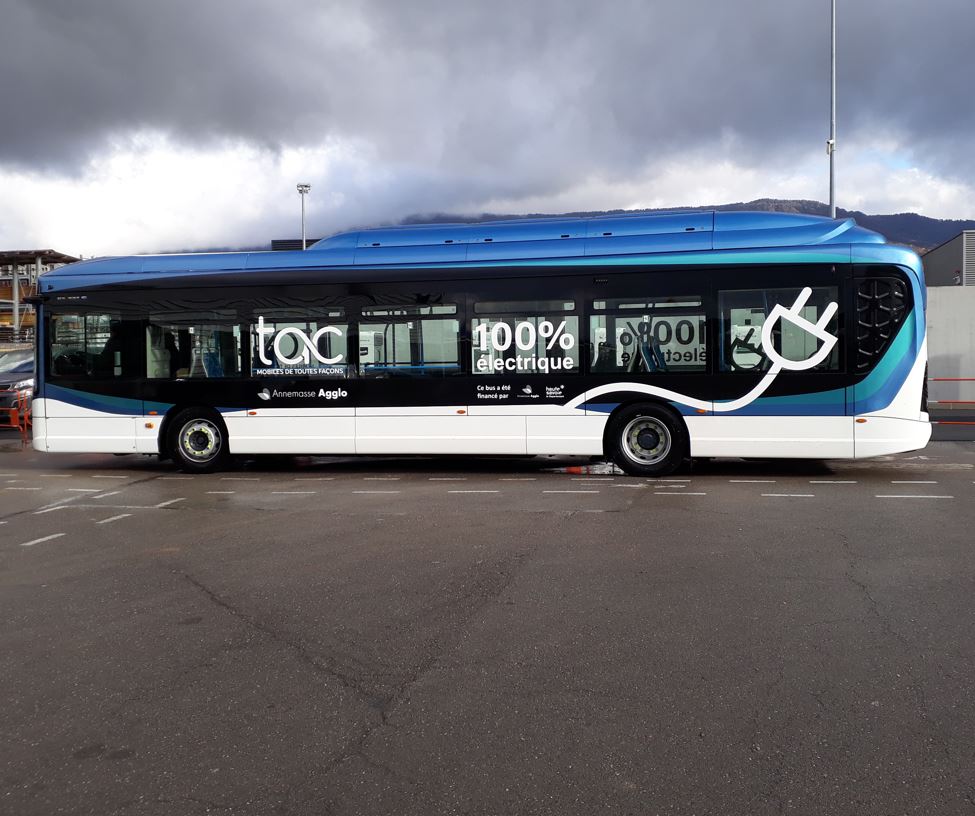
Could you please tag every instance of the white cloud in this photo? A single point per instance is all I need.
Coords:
(149, 194)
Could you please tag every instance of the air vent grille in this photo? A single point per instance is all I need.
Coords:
(881, 308)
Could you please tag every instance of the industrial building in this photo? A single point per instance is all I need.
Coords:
(952, 263)
(18, 280)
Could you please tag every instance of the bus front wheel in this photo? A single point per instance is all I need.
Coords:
(198, 440)
(647, 440)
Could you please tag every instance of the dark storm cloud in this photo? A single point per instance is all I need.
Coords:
(517, 97)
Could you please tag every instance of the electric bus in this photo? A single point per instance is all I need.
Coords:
(644, 339)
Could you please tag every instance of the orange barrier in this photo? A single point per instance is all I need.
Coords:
(19, 416)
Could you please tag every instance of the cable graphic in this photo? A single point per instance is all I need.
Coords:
(779, 363)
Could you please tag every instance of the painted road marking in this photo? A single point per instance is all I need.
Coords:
(102, 476)
(473, 491)
(174, 478)
(21, 488)
(40, 540)
(239, 479)
(669, 486)
(113, 518)
(376, 491)
(678, 494)
(790, 495)
(447, 479)
(381, 479)
(106, 495)
(752, 481)
(638, 486)
(56, 475)
(47, 508)
(916, 496)
(220, 492)
(171, 501)
(570, 491)
(832, 481)
(668, 480)
(518, 479)
(908, 481)
(314, 479)
(293, 492)
(592, 479)
(83, 489)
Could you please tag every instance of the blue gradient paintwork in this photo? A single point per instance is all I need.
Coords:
(121, 406)
(883, 383)
(94, 402)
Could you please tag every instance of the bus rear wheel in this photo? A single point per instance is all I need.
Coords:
(647, 440)
(198, 440)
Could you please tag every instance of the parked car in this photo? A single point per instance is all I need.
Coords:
(16, 376)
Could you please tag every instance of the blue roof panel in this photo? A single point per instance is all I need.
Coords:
(615, 239)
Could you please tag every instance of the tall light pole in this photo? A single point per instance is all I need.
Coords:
(303, 190)
(831, 143)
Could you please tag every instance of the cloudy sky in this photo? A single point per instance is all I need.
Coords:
(141, 125)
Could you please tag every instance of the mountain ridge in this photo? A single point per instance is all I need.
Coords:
(919, 232)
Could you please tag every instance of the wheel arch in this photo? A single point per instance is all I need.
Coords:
(632, 402)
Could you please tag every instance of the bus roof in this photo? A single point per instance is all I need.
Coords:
(712, 237)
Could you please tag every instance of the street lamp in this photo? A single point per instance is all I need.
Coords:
(303, 190)
(831, 142)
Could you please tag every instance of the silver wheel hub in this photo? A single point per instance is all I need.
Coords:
(646, 440)
(200, 440)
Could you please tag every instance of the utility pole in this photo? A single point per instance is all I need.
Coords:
(831, 143)
(303, 190)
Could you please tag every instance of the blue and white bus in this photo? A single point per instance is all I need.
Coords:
(646, 339)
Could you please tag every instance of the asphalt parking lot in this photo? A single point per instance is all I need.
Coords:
(400, 636)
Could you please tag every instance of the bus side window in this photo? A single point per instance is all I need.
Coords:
(640, 335)
(742, 316)
(96, 346)
(420, 347)
(193, 344)
(409, 339)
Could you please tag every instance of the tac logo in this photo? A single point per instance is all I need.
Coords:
(305, 346)
(264, 394)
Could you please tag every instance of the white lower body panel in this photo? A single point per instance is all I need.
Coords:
(479, 430)
(292, 431)
(441, 434)
(65, 428)
(775, 437)
(566, 435)
(879, 436)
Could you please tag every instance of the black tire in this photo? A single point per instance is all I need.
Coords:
(197, 440)
(647, 440)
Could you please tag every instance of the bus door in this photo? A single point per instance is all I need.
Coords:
(301, 397)
(91, 395)
(408, 376)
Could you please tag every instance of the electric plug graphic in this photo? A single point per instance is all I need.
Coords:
(793, 315)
